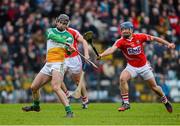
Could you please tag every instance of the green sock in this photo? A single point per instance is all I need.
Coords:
(36, 103)
(68, 108)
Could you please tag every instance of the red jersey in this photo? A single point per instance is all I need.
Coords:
(75, 35)
(133, 49)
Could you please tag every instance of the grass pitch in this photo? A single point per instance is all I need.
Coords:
(96, 114)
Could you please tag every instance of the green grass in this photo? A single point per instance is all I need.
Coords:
(96, 114)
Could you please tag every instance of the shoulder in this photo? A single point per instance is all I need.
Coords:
(119, 42)
(140, 34)
(72, 30)
(50, 30)
(143, 36)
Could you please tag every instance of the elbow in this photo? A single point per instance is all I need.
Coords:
(111, 50)
(156, 38)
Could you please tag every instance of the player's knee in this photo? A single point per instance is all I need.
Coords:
(33, 88)
(55, 86)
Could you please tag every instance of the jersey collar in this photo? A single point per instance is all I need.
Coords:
(130, 38)
(60, 31)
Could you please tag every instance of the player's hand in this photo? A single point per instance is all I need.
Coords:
(70, 47)
(171, 45)
(99, 57)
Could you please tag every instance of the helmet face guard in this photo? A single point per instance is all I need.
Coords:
(63, 18)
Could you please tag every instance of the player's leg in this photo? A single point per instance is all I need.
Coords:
(158, 90)
(83, 88)
(124, 88)
(37, 83)
(76, 78)
(147, 74)
(80, 82)
(64, 88)
(74, 65)
(57, 79)
(63, 85)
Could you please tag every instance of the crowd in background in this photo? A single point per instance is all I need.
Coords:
(23, 44)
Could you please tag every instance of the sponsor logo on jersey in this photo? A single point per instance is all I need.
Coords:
(134, 51)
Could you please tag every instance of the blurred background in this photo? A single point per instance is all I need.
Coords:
(23, 45)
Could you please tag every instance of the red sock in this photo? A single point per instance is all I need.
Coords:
(125, 98)
(85, 99)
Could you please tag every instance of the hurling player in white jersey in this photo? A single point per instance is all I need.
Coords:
(131, 45)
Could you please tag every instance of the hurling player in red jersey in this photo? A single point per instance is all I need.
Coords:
(73, 63)
(131, 45)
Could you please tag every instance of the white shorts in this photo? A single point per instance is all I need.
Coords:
(73, 64)
(48, 67)
(145, 71)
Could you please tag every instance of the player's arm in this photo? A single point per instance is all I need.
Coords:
(85, 45)
(59, 39)
(108, 51)
(160, 40)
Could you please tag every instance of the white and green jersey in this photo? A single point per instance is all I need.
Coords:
(56, 47)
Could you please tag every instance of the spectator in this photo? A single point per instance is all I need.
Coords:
(22, 24)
